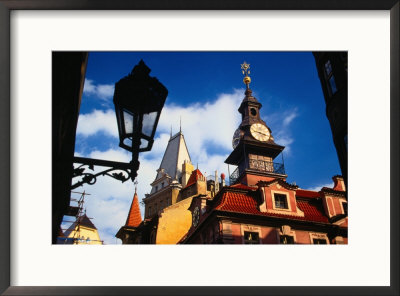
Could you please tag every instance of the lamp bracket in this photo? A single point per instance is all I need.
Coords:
(118, 170)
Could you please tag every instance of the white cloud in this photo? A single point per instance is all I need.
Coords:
(289, 117)
(98, 121)
(202, 124)
(89, 87)
(318, 187)
(109, 200)
(281, 132)
(102, 91)
(111, 154)
(208, 130)
(105, 91)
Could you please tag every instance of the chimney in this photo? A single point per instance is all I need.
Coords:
(187, 169)
(216, 182)
(338, 183)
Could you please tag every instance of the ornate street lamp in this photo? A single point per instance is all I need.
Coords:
(138, 100)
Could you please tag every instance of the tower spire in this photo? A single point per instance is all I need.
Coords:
(134, 217)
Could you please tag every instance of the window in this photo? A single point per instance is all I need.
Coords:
(253, 111)
(251, 238)
(344, 204)
(162, 185)
(332, 85)
(280, 201)
(286, 239)
(319, 241)
(330, 78)
(328, 68)
(156, 188)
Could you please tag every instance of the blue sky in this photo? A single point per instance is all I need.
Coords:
(205, 90)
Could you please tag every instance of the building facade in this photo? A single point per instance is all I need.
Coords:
(258, 206)
(332, 72)
(172, 175)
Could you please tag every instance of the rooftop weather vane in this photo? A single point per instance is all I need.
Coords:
(246, 71)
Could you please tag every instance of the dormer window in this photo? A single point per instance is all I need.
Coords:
(281, 201)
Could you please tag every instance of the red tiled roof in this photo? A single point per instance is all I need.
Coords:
(243, 203)
(196, 174)
(242, 186)
(134, 216)
(307, 193)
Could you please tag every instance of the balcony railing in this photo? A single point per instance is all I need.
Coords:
(261, 166)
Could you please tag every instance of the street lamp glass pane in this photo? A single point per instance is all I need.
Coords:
(128, 142)
(128, 122)
(143, 143)
(148, 123)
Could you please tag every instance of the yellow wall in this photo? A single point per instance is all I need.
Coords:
(168, 196)
(85, 232)
(174, 222)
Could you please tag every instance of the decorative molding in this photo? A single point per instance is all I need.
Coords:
(281, 182)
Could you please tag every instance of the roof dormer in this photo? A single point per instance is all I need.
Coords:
(279, 197)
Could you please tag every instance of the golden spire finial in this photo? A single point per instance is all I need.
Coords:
(246, 71)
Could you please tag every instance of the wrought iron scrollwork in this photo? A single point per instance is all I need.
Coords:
(259, 165)
(117, 170)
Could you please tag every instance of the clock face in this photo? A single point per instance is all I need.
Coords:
(196, 216)
(236, 138)
(260, 132)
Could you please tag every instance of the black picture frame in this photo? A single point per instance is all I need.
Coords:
(7, 6)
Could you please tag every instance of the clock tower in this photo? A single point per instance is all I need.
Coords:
(254, 148)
